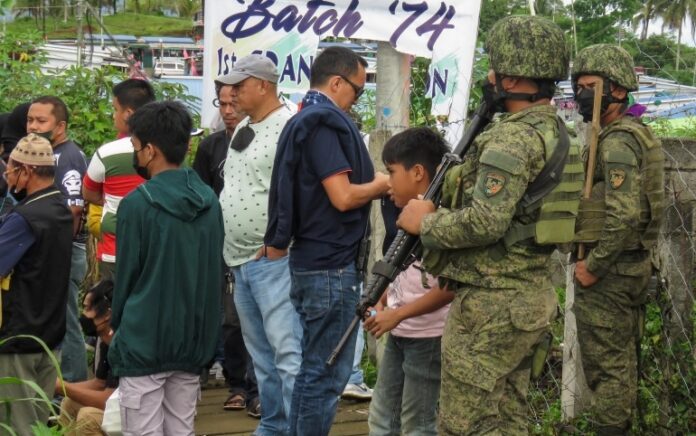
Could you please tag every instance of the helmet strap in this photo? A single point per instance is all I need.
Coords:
(504, 95)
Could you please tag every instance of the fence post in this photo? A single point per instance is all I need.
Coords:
(392, 109)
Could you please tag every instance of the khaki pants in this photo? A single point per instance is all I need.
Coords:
(162, 404)
(78, 420)
(36, 367)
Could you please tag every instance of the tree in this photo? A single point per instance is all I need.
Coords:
(645, 16)
(601, 21)
(674, 14)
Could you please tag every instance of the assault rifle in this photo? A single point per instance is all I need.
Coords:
(406, 247)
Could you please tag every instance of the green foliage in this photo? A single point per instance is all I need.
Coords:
(40, 396)
(86, 92)
(122, 23)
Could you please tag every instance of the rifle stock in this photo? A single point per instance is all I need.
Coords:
(406, 247)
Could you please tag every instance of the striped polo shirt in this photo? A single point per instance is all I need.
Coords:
(111, 172)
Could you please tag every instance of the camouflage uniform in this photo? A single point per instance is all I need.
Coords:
(628, 185)
(504, 302)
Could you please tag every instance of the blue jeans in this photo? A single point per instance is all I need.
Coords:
(73, 363)
(356, 373)
(271, 331)
(326, 303)
(407, 390)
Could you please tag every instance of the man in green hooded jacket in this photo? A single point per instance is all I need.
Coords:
(166, 308)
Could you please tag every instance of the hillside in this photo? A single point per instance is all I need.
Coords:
(122, 23)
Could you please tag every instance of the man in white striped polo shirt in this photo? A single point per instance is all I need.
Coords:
(110, 175)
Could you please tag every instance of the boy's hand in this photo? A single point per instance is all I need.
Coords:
(382, 181)
(413, 213)
(382, 322)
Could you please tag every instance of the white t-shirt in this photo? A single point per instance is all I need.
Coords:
(406, 288)
(244, 198)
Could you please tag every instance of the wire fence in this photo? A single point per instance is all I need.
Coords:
(667, 368)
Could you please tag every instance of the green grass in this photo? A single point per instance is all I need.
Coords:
(122, 23)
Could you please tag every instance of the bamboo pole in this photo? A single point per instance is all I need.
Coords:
(592, 155)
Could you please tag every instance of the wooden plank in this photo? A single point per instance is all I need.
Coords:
(213, 420)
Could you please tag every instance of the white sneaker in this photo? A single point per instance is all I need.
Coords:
(357, 391)
(216, 371)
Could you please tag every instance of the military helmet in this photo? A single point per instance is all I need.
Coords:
(609, 61)
(528, 46)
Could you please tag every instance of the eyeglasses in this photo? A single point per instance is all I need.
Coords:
(357, 89)
(242, 138)
(6, 173)
(218, 103)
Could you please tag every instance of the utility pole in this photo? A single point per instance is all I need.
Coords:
(80, 33)
(575, 33)
(392, 110)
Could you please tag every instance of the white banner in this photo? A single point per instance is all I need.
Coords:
(288, 32)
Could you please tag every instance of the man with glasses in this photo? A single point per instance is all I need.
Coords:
(270, 325)
(322, 185)
(36, 241)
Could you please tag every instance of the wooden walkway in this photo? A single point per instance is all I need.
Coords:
(211, 419)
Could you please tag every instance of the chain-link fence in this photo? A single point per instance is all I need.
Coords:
(667, 363)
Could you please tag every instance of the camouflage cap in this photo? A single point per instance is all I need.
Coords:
(528, 46)
(607, 60)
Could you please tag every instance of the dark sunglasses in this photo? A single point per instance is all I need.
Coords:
(357, 89)
(242, 138)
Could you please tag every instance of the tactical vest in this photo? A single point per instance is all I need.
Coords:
(549, 207)
(648, 150)
(547, 211)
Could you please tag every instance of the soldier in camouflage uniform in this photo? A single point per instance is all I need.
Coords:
(620, 223)
(504, 299)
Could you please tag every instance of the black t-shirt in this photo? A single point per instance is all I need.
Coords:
(210, 160)
(103, 371)
(71, 167)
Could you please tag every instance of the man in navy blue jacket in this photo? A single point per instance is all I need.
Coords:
(322, 184)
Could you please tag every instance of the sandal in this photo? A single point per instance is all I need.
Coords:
(235, 402)
(254, 409)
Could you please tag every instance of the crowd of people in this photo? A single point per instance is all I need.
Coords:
(254, 251)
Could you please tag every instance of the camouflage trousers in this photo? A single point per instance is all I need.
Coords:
(487, 346)
(608, 315)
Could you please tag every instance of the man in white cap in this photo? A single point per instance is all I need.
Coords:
(270, 324)
(36, 240)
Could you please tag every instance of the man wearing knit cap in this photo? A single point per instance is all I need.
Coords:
(36, 241)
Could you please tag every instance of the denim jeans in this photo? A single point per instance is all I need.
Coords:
(407, 390)
(272, 333)
(356, 373)
(326, 302)
(73, 364)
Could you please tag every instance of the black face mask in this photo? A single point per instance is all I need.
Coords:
(585, 101)
(88, 327)
(46, 135)
(492, 97)
(141, 171)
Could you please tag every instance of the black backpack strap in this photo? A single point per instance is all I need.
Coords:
(550, 175)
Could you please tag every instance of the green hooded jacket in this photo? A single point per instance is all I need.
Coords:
(166, 306)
